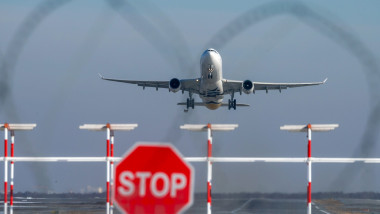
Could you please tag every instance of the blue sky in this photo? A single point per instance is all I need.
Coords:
(55, 84)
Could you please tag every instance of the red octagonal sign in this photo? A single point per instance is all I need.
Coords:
(153, 178)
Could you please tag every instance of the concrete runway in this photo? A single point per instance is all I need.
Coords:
(253, 205)
(220, 206)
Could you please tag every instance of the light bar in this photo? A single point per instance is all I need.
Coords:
(314, 127)
(214, 127)
(202, 159)
(103, 127)
(19, 127)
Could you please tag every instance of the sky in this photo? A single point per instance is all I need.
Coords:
(54, 52)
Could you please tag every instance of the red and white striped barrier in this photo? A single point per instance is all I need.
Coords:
(110, 159)
(109, 128)
(6, 128)
(12, 168)
(209, 128)
(11, 127)
(308, 128)
(112, 170)
(209, 168)
(309, 169)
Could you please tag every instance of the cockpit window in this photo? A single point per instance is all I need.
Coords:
(212, 50)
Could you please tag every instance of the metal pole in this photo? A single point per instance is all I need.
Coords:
(209, 167)
(112, 170)
(108, 168)
(309, 169)
(12, 169)
(6, 127)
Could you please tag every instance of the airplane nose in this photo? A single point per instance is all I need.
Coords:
(209, 55)
(206, 54)
(209, 52)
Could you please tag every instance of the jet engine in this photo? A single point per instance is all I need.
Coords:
(248, 86)
(174, 85)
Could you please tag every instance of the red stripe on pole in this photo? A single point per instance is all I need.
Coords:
(11, 195)
(209, 149)
(108, 191)
(5, 148)
(309, 193)
(5, 192)
(208, 192)
(108, 148)
(111, 149)
(309, 149)
(12, 150)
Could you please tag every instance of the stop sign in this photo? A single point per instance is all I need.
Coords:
(153, 178)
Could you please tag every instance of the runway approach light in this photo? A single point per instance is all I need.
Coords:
(109, 128)
(309, 128)
(214, 127)
(209, 128)
(18, 127)
(314, 127)
(114, 127)
(6, 127)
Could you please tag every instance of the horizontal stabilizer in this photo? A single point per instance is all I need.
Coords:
(203, 104)
(237, 104)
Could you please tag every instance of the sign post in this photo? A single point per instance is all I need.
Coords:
(153, 178)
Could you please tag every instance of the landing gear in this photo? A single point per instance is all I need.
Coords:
(189, 102)
(232, 102)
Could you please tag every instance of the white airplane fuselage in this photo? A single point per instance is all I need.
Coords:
(211, 87)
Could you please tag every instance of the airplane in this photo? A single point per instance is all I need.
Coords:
(211, 87)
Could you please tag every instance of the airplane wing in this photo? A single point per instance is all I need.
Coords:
(191, 85)
(231, 86)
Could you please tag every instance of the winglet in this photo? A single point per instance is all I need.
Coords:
(324, 81)
(101, 76)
